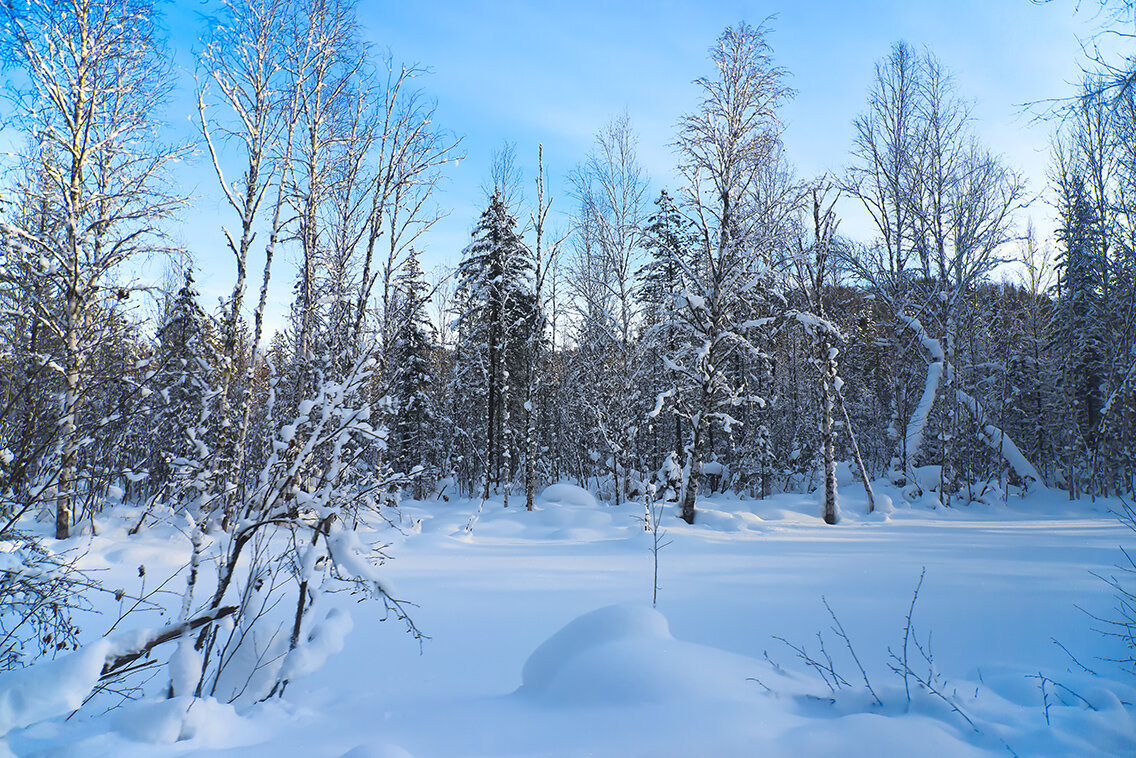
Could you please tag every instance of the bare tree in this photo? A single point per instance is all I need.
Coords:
(410, 151)
(544, 254)
(505, 176)
(610, 187)
(885, 160)
(324, 59)
(243, 75)
(724, 149)
(811, 262)
(937, 196)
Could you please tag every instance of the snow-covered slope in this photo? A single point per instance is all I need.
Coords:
(543, 641)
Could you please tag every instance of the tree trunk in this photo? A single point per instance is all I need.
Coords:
(856, 454)
(690, 492)
(491, 412)
(530, 448)
(65, 499)
(831, 516)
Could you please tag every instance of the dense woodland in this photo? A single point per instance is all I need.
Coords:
(721, 335)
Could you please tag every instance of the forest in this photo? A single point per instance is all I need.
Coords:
(658, 349)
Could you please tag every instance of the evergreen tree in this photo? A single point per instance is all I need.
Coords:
(669, 241)
(1075, 330)
(413, 440)
(495, 304)
(180, 389)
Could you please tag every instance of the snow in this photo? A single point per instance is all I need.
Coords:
(52, 688)
(566, 494)
(323, 640)
(542, 640)
(185, 667)
(610, 625)
(624, 655)
(202, 723)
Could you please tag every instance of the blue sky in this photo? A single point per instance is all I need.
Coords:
(555, 72)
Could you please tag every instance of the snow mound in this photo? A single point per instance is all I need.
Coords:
(908, 735)
(615, 622)
(883, 504)
(50, 688)
(200, 722)
(724, 521)
(562, 512)
(564, 493)
(324, 640)
(625, 655)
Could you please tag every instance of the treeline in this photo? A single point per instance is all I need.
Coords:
(720, 337)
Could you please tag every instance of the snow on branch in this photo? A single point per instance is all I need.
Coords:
(53, 688)
(990, 434)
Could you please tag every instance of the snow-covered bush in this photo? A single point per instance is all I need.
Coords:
(38, 590)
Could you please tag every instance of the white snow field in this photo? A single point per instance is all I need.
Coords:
(542, 639)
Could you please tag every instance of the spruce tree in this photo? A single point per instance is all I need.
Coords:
(669, 241)
(1075, 331)
(412, 443)
(180, 392)
(495, 305)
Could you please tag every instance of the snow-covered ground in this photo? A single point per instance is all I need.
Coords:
(542, 639)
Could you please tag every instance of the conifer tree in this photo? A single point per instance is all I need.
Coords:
(1075, 329)
(494, 301)
(671, 247)
(180, 390)
(413, 436)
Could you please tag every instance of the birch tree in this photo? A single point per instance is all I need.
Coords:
(611, 189)
(944, 208)
(723, 148)
(244, 98)
(97, 81)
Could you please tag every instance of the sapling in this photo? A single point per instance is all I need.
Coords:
(40, 589)
(652, 516)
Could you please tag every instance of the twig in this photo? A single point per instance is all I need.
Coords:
(839, 631)
(1044, 680)
(763, 684)
(907, 634)
(826, 670)
(1073, 657)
